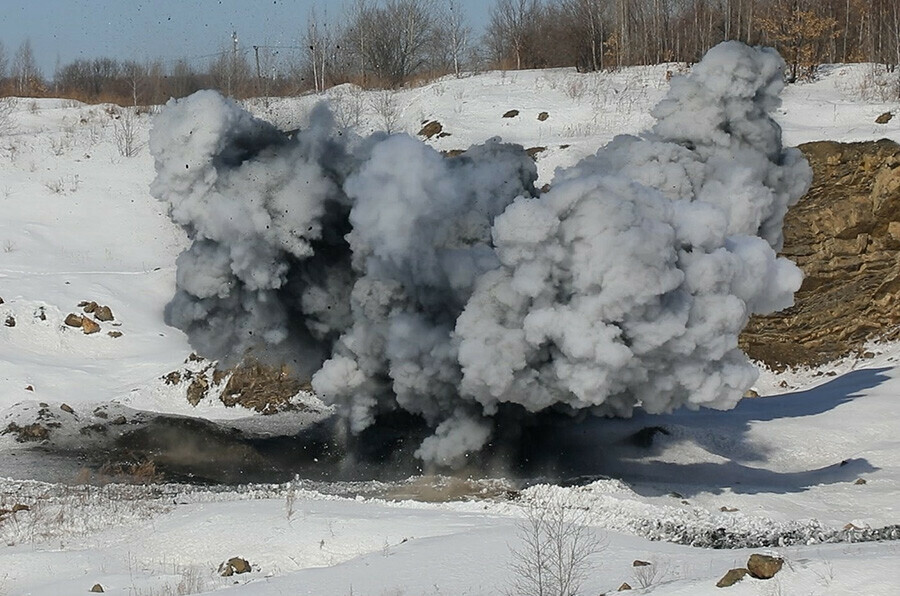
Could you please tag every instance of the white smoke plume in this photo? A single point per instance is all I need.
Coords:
(450, 289)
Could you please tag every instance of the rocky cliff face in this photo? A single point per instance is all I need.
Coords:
(845, 235)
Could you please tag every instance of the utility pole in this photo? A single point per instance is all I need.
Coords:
(258, 74)
(232, 72)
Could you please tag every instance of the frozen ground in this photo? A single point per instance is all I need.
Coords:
(79, 224)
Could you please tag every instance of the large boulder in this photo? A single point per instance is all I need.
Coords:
(764, 566)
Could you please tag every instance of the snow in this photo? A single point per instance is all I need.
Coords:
(79, 224)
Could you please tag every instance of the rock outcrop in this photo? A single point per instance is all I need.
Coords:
(845, 235)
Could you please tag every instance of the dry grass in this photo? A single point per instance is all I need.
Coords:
(257, 386)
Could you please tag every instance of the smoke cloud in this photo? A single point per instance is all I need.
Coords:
(450, 288)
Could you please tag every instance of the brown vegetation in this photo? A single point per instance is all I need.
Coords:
(391, 43)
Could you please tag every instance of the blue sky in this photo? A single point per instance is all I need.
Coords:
(168, 29)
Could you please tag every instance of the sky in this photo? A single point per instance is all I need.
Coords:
(64, 30)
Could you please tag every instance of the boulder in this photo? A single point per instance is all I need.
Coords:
(543, 116)
(234, 565)
(511, 114)
(67, 408)
(732, 577)
(884, 118)
(624, 587)
(764, 566)
(89, 326)
(73, 320)
(103, 313)
(97, 588)
(10, 321)
(431, 129)
(639, 563)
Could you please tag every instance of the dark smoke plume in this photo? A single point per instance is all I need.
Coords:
(449, 288)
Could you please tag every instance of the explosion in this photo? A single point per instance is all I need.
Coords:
(450, 289)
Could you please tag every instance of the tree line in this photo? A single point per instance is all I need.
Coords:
(391, 43)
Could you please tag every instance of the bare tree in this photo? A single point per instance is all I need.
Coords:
(230, 71)
(4, 63)
(397, 37)
(182, 81)
(454, 34)
(125, 132)
(25, 72)
(511, 25)
(588, 23)
(319, 42)
(554, 550)
(136, 76)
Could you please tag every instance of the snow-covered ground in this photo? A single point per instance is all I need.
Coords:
(78, 224)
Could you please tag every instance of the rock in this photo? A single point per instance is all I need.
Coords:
(624, 587)
(73, 320)
(543, 116)
(101, 414)
(453, 152)
(29, 388)
(1, 301)
(196, 391)
(750, 393)
(20, 507)
(89, 326)
(732, 577)
(431, 129)
(444, 135)
(639, 563)
(30, 432)
(725, 509)
(884, 118)
(511, 114)
(257, 386)
(88, 307)
(41, 314)
(533, 152)
(114, 334)
(97, 588)
(764, 566)
(860, 481)
(676, 495)
(103, 313)
(845, 236)
(234, 565)
(118, 421)
(67, 408)
(173, 378)
(10, 321)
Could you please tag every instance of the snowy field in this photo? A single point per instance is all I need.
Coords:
(780, 475)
